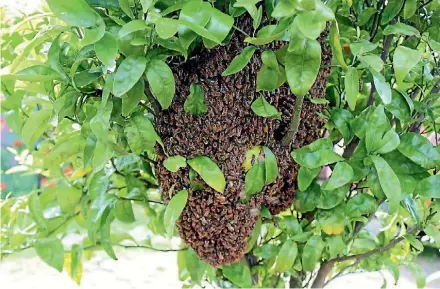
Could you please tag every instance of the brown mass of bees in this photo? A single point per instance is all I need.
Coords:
(217, 225)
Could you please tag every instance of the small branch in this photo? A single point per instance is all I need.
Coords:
(290, 136)
(150, 248)
(377, 250)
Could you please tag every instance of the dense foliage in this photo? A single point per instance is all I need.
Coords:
(84, 81)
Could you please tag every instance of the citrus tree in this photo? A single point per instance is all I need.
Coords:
(266, 134)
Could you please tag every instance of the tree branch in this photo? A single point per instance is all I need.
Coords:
(377, 250)
(290, 136)
(153, 101)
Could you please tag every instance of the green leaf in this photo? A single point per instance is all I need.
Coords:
(360, 204)
(362, 46)
(128, 74)
(219, 24)
(197, 13)
(388, 181)
(342, 174)
(404, 60)
(238, 274)
(312, 253)
(209, 172)
(365, 15)
(131, 99)
(266, 251)
(335, 42)
(93, 34)
(195, 102)
(286, 257)
(75, 13)
(399, 106)
(419, 149)
(401, 29)
(161, 81)
(124, 211)
(418, 274)
(263, 108)
(166, 27)
(335, 245)
(106, 220)
(174, 210)
(65, 104)
(140, 133)
(254, 179)
(68, 198)
(53, 58)
(106, 49)
(240, 61)
(382, 86)
(330, 199)
(306, 177)
(429, 187)
(351, 86)
(35, 126)
(394, 269)
(34, 73)
(392, 8)
(132, 26)
(410, 8)
(316, 154)
(51, 251)
(342, 118)
(174, 163)
(389, 142)
(308, 200)
(373, 61)
(332, 221)
(195, 266)
(267, 77)
(270, 166)
(37, 212)
(302, 65)
(309, 24)
(434, 233)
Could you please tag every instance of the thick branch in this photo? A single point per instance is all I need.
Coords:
(294, 123)
(323, 271)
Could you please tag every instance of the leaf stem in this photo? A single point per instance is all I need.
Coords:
(290, 136)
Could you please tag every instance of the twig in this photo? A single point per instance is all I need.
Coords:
(377, 250)
(294, 123)
(153, 101)
(150, 248)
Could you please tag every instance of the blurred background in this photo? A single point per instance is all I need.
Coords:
(136, 268)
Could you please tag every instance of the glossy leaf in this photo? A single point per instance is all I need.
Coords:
(306, 177)
(106, 49)
(75, 13)
(174, 163)
(161, 81)
(404, 60)
(263, 108)
(255, 179)
(418, 149)
(140, 134)
(131, 99)
(332, 221)
(166, 27)
(128, 74)
(195, 266)
(312, 253)
(240, 61)
(302, 65)
(209, 172)
(35, 126)
(286, 256)
(270, 166)
(388, 181)
(238, 274)
(51, 251)
(351, 87)
(132, 26)
(174, 210)
(401, 29)
(382, 86)
(360, 204)
(342, 174)
(418, 274)
(429, 187)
